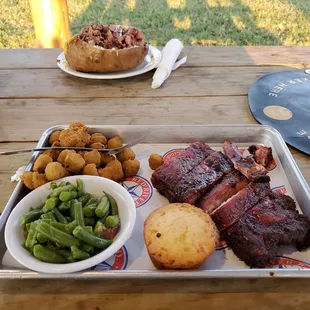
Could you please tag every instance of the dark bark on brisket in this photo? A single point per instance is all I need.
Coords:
(273, 222)
(231, 211)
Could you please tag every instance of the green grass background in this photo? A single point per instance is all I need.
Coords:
(201, 22)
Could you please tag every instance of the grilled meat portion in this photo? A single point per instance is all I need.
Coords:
(247, 166)
(261, 154)
(229, 186)
(259, 233)
(188, 176)
(166, 178)
(233, 209)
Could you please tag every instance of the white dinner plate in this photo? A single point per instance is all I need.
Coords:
(151, 61)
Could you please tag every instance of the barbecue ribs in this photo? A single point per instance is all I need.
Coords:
(261, 154)
(247, 166)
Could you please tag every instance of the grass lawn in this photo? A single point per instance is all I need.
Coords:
(204, 22)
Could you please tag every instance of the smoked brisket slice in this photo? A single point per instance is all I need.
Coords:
(274, 221)
(233, 209)
(229, 186)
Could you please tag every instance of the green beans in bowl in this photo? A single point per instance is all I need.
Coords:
(70, 225)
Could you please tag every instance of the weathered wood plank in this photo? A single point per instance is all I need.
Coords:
(198, 56)
(184, 82)
(26, 119)
(270, 294)
(8, 166)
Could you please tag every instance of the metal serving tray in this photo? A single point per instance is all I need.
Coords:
(176, 135)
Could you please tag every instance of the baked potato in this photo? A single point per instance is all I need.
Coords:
(106, 48)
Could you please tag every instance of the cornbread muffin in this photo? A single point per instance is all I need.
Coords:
(179, 236)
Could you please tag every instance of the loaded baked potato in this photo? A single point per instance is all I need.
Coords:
(106, 48)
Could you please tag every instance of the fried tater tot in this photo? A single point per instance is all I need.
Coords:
(115, 142)
(63, 154)
(54, 171)
(90, 169)
(98, 137)
(74, 162)
(41, 163)
(54, 136)
(126, 154)
(117, 170)
(131, 167)
(38, 179)
(106, 172)
(106, 158)
(155, 161)
(27, 179)
(97, 145)
(92, 157)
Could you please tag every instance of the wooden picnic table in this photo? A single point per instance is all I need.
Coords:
(211, 88)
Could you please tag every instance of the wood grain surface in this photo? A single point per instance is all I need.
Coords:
(198, 56)
(211, 88)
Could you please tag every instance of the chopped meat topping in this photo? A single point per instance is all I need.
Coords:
(111, 36)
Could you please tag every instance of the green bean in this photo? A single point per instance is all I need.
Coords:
(78, 253)
(69, 219)
(102, 219)
(59, 216)
(112, 221)
(53, 185)
(99, 228)
(78, 212)
(41, 238)
(63, 206)
(80, 187)
(50, 204)
(28, 226)
(49, 221)
(114, 208)
(45, 254)
(66, 196)
(83, 235)
(72, 210)
(89, 221)
(89, 211)
(89, 229)
(49, 215)
(62, 183)
(67, 188)
(84, 199)
(91, 201)
(87, 248)
(32, 235)
(70, 227)
(31, 209)
(103, 207)
(30, 217)
(67, 255)
(60, 226)
(57, 235)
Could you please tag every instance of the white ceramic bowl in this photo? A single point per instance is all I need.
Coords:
(95, 185)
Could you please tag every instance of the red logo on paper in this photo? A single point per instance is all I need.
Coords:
(222, 243)
(117, 262)
(171, 154)
(280, 189)
(139, 188)
(286, 262)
